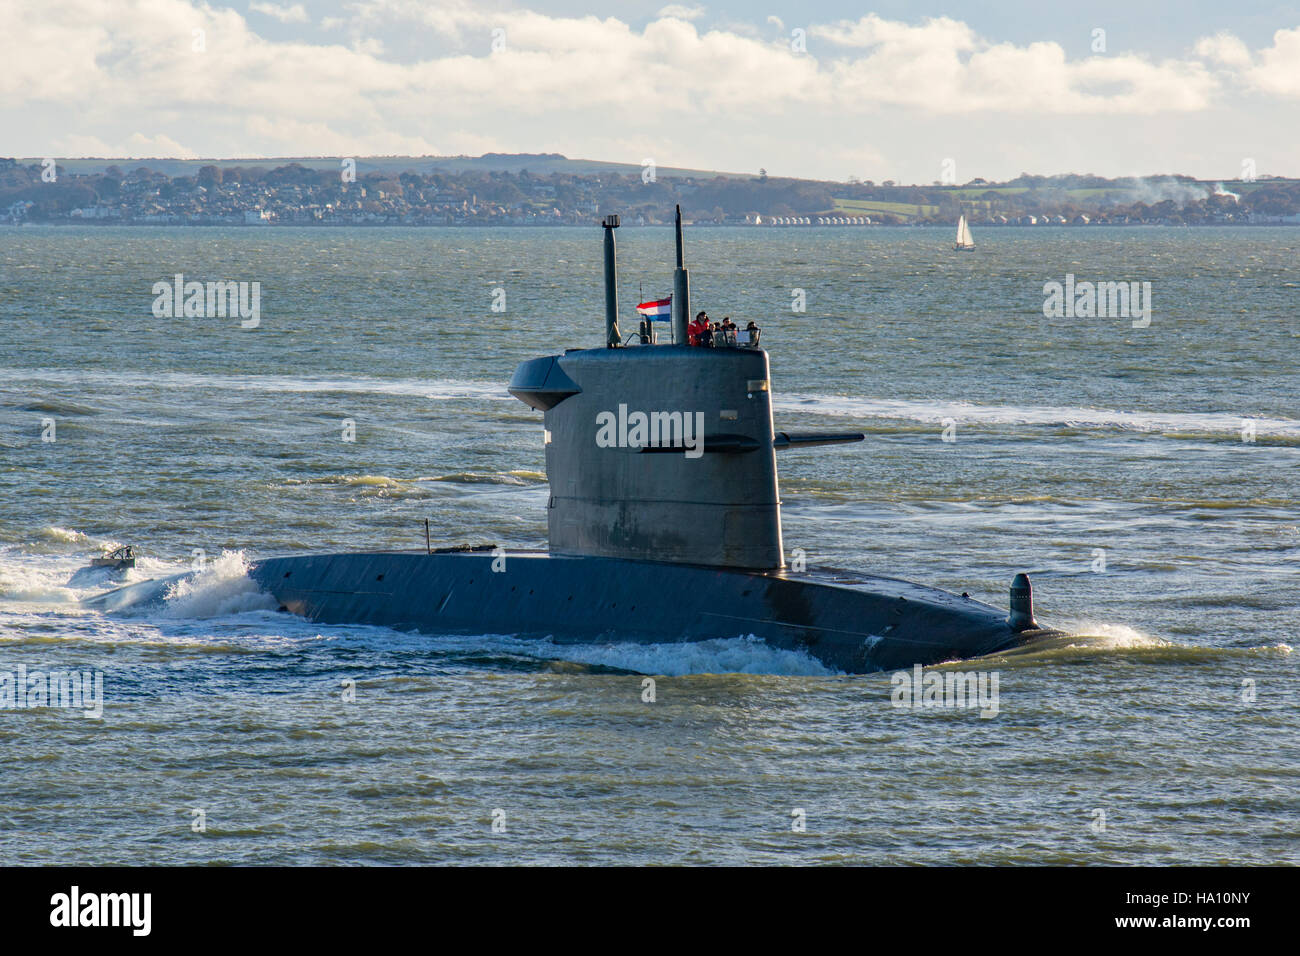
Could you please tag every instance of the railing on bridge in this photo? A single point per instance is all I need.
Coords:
(733, 338)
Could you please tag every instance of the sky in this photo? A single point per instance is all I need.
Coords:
(884, 91)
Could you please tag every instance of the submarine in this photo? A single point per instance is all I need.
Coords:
(663, 525)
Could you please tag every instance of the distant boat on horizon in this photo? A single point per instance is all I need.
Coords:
(964, 241)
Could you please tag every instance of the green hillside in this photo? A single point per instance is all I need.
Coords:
(867, 207)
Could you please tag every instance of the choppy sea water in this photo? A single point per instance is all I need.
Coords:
(1110, 462)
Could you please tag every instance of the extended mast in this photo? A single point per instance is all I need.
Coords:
(612, 338)
(681, 291)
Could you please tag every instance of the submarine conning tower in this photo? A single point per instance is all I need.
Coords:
(661, 452)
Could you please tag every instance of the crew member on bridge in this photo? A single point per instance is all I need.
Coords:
(698, 327)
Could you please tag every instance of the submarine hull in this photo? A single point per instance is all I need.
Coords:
(853, 624)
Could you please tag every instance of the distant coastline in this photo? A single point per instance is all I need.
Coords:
(551, 190)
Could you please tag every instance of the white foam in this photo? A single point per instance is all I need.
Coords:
(53, 539)
(441, 389)
(63, 535)
(382, 482)
(1117, 636)
(27, 582)
(39, 574)
(934, 412)
(221, 588)
(736, 655)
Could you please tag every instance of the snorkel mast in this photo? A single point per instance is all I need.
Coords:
(681, 291)
(612, 338)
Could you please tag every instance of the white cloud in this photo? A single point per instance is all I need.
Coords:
(682, 12)
(160, 144)
(1275, 69)
(285, 14)
(1278, 70)
(135, 145)
(942, 66)
(1224, 48)
(565, 64)
(867, 92)
(288, 137)
(82, 144)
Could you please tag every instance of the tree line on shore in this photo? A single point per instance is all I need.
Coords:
(128, 191)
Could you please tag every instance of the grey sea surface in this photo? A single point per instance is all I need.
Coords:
(1148, 479)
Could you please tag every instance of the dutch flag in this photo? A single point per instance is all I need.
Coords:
(661, 311)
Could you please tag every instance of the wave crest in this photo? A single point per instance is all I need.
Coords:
(733, 655)
(221, 588)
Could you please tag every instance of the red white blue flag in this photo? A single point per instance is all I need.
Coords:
(661, 311)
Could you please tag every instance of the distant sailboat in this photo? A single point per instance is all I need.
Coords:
(964, 241)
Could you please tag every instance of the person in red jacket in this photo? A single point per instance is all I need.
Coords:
(695, 329)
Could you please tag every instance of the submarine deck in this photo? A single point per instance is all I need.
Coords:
(853, 622)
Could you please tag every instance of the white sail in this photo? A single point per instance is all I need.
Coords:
(964, 240)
